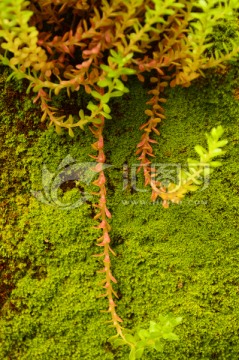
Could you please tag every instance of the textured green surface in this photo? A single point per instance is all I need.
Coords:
(183, 260)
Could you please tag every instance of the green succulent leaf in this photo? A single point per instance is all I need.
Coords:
(5, 61)
(158, 346)
(105, 98)
(170, 336)
(92, 106)
(58, 129)
(143, 334)
(96, 95)
(196, 181)
(118, 342)
(215, 163)
(217, 152)
(200, 150)
(222, 143)
(104, 82)
(116, 93)
(119, 85)
(115, 54)
(132, 355)
(127, 71)
(81, 114)
(153, 326)
(193, 161)
(192, 187)
(106, 115)
(97, 121)
(106, 108)
(139, 353)
(70, 120)
(130, 338)
(217, 132)
(106, 68)
(82, 123)
(71, 133)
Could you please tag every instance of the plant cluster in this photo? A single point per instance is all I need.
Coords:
(151, 337)
(65, 45)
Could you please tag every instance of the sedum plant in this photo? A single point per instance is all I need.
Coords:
(60, 45)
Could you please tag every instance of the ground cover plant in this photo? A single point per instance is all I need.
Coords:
(188, 64)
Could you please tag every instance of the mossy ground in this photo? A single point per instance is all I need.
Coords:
(183, 260)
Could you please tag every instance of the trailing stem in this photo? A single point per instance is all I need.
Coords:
(145, 149)
(103, 215)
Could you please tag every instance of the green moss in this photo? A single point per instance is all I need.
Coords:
(181, 260)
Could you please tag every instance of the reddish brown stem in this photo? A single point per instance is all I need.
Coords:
(145, 149)
(103, 215)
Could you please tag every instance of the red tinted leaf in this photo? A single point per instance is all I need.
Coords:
(108, 214)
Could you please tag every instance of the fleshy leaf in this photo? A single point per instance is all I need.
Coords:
(139, 353)
(132, 355)
(71, 133)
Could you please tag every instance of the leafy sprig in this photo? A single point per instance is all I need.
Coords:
(190, 180)
(154, 337)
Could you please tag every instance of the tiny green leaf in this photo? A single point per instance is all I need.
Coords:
(81, 114)
(143, 334)
(128, 57)
(106, 108)
(71, 133)
(193, 161)
(215, 163)
(217, 132)
(127, 71)
(92, 106)
(118, 61)
(132, 355)
(58, 129)
(158, 346)
(96, 95)
(170, 336)
(139, 353)
(70, 120)
(105, 114)
(116, 93)
(114, 54)
(200, 150)
(118, 342)
(82, 123)
(130, 338)
(217, 152)
(222, 143)
(196, 181)
(105, 67)
(97, 121)
(192, 187)
(105, 98)
(104, 82)
(119, 85)
(153, 326)
(114, 73)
